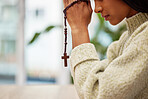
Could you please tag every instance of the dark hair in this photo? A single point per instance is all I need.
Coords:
(138, 5)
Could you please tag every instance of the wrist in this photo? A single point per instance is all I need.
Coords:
(80, 36)
(79, 30)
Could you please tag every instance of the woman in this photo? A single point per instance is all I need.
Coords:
(124, 74)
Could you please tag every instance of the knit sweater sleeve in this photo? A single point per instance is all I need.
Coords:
(123, 77)
(86, 66)
(83, 58)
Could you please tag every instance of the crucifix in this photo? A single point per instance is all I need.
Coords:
(65, 57)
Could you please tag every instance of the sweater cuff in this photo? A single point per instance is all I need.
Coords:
(81, 53)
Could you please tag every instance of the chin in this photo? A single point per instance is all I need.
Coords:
(113, 23)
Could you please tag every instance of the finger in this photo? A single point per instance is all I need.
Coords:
(67, 2)
(89, 5)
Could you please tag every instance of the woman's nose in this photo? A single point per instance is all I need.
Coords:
(98, 6)
(98, 9)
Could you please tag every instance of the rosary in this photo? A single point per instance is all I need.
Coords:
(65, 57)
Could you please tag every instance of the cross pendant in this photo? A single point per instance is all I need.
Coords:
(65, 57)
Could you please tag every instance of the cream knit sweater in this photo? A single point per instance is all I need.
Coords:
(124, 74)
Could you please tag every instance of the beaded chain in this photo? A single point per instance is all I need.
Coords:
(65, 57)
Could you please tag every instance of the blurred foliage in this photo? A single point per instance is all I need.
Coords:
(37, 34)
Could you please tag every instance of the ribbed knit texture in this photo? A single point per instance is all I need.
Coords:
(134, 22)
(124, 74)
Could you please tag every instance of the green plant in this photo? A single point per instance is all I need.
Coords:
(37, 34)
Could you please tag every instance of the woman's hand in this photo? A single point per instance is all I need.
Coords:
(79, 15)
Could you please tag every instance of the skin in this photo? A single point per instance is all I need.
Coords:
(117, 10)
(79, 16)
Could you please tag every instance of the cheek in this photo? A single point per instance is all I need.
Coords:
(116, 8)
(117, 15)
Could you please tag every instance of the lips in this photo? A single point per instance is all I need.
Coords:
(106, 17)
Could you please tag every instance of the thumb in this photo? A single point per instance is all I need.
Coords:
(66, 2)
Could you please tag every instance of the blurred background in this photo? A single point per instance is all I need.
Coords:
(32, 41)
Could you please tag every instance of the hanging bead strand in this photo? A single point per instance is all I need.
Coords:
(65, 57)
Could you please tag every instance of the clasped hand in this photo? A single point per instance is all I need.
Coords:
(79, 15)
